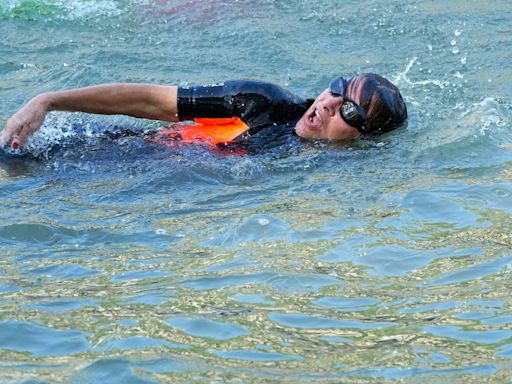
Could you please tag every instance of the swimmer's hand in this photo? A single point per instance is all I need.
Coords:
(25, 122)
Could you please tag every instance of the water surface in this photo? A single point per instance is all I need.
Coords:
(125, 261)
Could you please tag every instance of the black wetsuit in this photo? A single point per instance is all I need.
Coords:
(270, 111)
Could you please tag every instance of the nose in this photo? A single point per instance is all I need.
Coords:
(332, 104)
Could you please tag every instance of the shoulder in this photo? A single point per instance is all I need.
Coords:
(234, 87)
(255, 86)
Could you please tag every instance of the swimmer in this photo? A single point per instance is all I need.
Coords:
(348, 109)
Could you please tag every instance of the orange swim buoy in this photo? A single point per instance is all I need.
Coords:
(208, 130)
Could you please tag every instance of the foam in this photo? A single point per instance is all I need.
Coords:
(489, 116)
(61, 9)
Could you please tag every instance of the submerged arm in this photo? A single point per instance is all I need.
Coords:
(156, 102)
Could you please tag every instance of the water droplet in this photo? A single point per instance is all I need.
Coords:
(263, 222)
(453, 42)
(160, 231)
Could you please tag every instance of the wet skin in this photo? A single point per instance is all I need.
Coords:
(323, 119)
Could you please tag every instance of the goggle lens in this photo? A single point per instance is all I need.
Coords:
(352, 113)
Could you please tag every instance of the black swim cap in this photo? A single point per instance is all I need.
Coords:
(382, 102)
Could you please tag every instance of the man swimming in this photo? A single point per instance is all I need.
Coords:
(360, 106)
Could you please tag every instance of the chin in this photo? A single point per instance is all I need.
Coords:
(302, 130)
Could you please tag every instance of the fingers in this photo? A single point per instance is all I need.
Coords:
(17, 132)
(24, 123)
(7, 133)
(20, 138)
(11, 134)
(16, 142)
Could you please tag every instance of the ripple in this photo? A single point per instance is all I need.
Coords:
(42, 235)
(429, 357)
(296, 320)
(63, 272)
(479, 337)
(8, 288)
(254, 355)
(474, 272)
(347, 304)
(253, 299)
(139, 275)
(505, 351)
(257, 228)
(41, 341)
(402, 373)
(165, 365)
(497, 304)
(282, 281)
(34, 233)
(435, 206)
(111, 370)
(473, 316)
(207, 328)
(62, 305)
(440, 307)
(264, 228)
(336, 339)
(136, 342)
(154, 297)
(480, 138)
(497, 320)
(389, 260)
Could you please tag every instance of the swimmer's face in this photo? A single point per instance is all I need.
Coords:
(323, 119)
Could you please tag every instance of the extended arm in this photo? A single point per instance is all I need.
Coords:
(156, 102)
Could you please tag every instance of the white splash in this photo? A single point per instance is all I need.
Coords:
(402, 77)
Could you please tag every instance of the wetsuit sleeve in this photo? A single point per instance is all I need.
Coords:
(256, 103)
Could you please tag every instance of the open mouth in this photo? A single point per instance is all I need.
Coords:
(314, 120)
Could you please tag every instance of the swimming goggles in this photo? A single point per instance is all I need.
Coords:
(350, 112)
